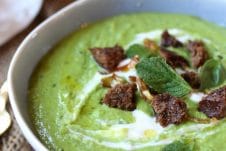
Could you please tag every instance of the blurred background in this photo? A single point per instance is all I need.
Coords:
(17, 19)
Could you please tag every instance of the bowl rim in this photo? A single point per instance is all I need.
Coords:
(34, 141)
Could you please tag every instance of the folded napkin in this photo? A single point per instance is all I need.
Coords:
(5, 118)
(16, 15)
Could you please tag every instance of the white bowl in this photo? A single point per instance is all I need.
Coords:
(40, 40)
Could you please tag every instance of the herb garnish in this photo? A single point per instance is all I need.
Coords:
(137, 49)
(177, 146)
(157, 74)
(212, 74)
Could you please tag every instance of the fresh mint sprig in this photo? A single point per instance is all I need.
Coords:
(137, 49)
(156, 73)
(212, 74)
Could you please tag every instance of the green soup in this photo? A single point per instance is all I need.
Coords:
(65, 93)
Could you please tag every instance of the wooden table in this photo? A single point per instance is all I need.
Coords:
(13, 140)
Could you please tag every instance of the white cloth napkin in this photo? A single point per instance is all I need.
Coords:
(5, 119)
(15, 15)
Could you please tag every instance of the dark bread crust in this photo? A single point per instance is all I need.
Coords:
(122, 96)
(214, 104)
(169, 109)
(199, 54)
(192, 78)
(108, 57)
(168, 40)
(173, 59)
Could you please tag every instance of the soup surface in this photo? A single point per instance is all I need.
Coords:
(65, 92)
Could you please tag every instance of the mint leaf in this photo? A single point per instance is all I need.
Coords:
(157, 74)
(177, 146)
(212, 74)
(139, 50)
